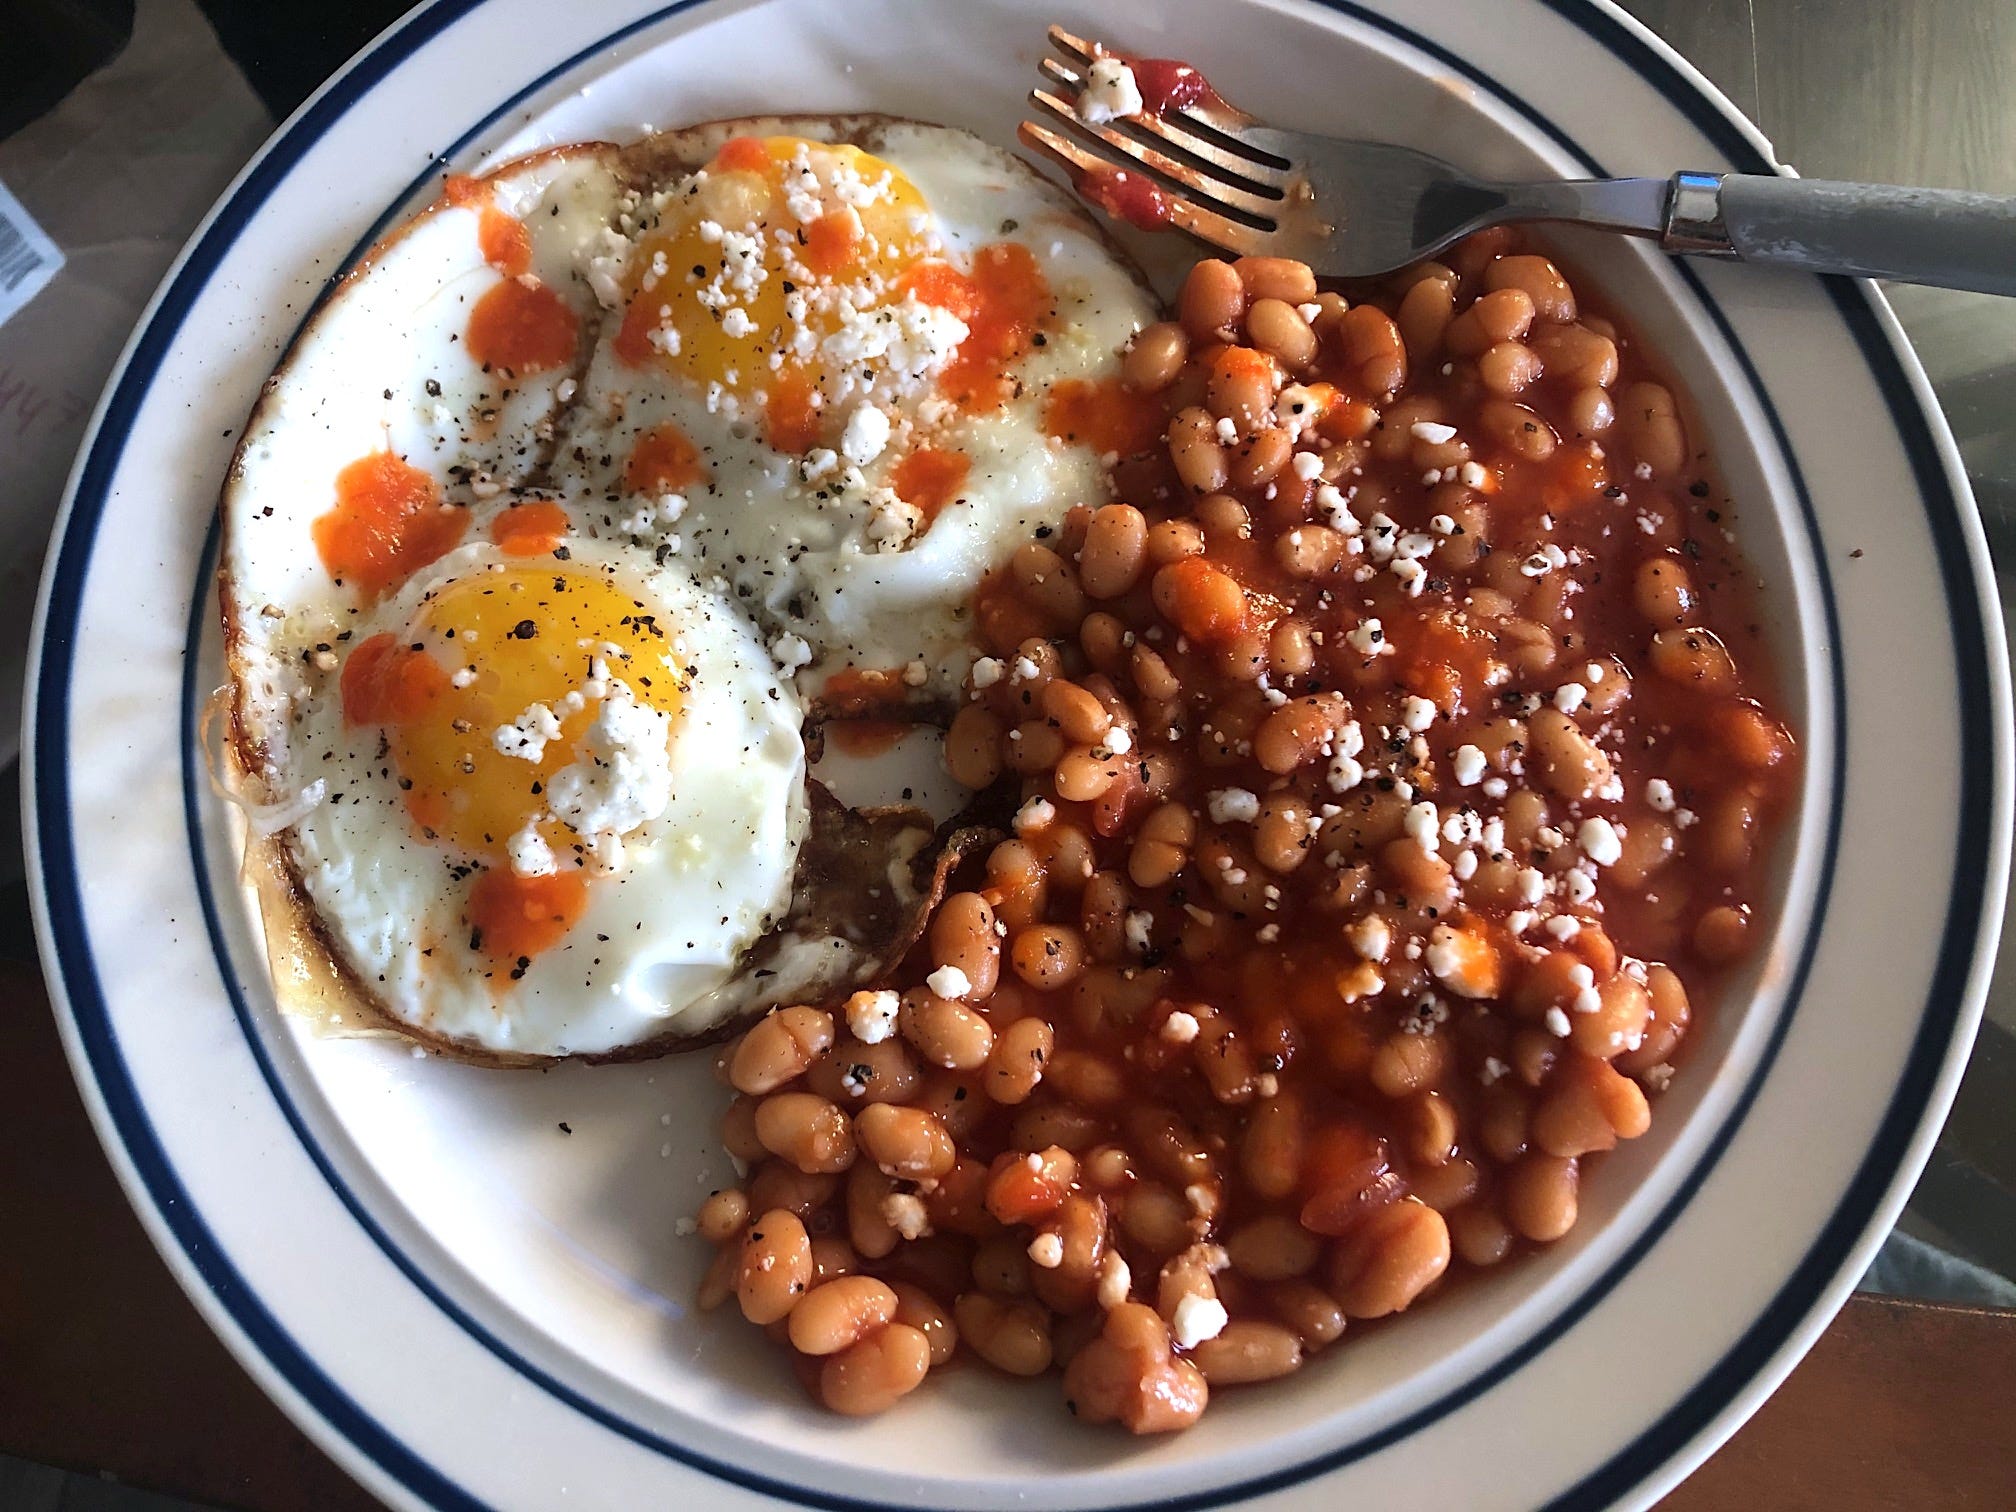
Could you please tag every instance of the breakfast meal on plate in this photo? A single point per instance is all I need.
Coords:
(1359, 693)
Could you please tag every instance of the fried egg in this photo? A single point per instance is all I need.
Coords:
(571, 502)
(852, 362)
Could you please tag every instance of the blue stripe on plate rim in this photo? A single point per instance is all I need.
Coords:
(70, 951)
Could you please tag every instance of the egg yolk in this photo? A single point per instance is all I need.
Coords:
(793, 273)
(482, 652)
(735, 269)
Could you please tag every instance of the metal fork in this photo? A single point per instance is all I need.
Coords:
(1352, 209)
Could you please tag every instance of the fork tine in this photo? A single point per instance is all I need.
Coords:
(1186, 178)
(1241, 172)
(1199, 222)
(1078, 47)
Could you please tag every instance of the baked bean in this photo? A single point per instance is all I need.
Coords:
(868, 1225)
(1575, 354)
(1195, 450)
(1034, 746)
(1509, 369)
(944, 1032)
(717, 1283)
(1278, 278)
(1424, 315)
(1504, 1119)
(1012, 1336)
(1722, 934)
(1372, 350)
(1001, 1266)
(1569, 762)
(1667, 1025)
(807, 1130)
(1297, 731)
(1309, 1310)
(832, 1316)
(1431, 1128)
(1282, 834)
(722, 1215)
(1154, 357)
(779, 1048)
(775, 1267)
(1727, 839)
(1048, 585)
(780, 1184)
(1247, 1351)
(1500, 315)
(1309, 551)
(1256, 462)
(1540, 1196)
(854, 1074)
(1408, 1063)
(973, 746)
(1696, 656)
(1517, 429)
(1618, 1022)
(1589, 412)
(953, 1098)
(1272, 1247)
(1018, 1059)
(1115, 549)
(1155, 1218)
(962, 937)
(1067, 851)
(1087, 1078)
(1047, 956)
(1280, 331)
(1447, 1186)
(1479, 1235)
(1650, 424)
(738, 1130)
(1203, 602)
(1042, 1123)
(1663, 591)
(1290, 650)
(917, 1308)
(1103, 638)
(1212, 299)
(1541, 281)
(875, 1374)
(1395, 1255)
(905, 1142)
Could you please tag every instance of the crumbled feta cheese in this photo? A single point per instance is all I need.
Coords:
(1570, 696)
(1115, 1280)
(527, 736)
(1137, 928)
(1233, 806)
(622, 779)
(1432, 432)
(1471, 475)
(987, 671)
(1308, 466)
(1179, 1028)
(1557, 1023)
(1110, 93)
(866, 435)
(1118, 741)
(871, 1016)
(1417, 713)
(1197, 1319)
(907, 1215)
(1034, 815)
(530, 855)
(1047, 1250)
(1600, 841)
(1659, 793)
(791, 652)
(949, 982)
(1424, 826)
(1368, 638)
(1469, 766)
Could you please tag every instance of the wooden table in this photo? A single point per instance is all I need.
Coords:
(108, 1368)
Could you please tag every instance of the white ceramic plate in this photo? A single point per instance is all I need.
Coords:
(469, 1307)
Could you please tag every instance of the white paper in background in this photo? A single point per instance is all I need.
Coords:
(117, 175)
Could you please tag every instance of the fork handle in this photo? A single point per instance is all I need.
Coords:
(1948, 237)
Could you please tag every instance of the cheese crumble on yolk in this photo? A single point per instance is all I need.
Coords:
(491, 654)
(794, 278)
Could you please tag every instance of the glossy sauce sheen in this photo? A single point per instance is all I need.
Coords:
(1396, 902)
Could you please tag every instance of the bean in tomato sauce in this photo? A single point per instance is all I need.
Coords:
(1395, 769)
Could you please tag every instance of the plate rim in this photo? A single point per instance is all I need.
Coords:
(1934, 460)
